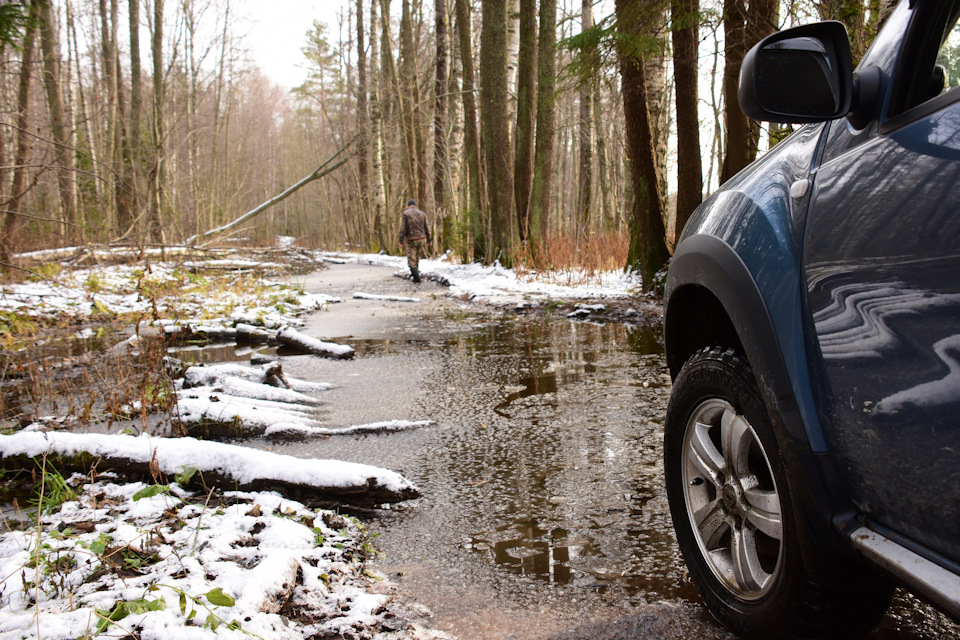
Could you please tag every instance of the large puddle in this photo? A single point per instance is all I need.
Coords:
(542, 477)
(543, 508)
(545, 458)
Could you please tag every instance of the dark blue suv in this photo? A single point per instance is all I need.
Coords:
(812, 329)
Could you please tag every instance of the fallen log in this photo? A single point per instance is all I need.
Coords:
(360, 295)
(304, 343)
(223, 466)
(317, 173)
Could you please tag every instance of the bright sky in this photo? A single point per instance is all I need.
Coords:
(277, 31)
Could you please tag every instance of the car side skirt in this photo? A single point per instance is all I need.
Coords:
(940, 586)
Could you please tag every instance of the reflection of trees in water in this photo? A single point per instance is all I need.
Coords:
(553, 451)
(936, 393)
(856, 323)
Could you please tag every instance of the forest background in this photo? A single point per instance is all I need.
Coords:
(541, 135)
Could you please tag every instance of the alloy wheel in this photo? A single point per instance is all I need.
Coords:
(732, 500)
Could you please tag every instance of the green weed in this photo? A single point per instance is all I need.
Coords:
(52, 490)
(45, 272)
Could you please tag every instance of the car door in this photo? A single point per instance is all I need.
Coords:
(882, 267)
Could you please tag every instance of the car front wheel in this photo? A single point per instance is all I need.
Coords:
(730, 502)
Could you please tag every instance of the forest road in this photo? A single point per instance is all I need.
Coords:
(543, 515)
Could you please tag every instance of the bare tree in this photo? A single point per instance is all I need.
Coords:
(132, 169)
(476, 201)
(526, 115)
(410, 92)
(441, 203)
(376, 129)
(363, 117)
(12, 202)
(543, 166)
(158, 170)
(66, 176)
(495, 125)
(585, 169)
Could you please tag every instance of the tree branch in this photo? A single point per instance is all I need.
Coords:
(317, 173)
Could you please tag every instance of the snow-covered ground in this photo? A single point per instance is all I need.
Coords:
(158, 561)
(492, 283)
(131, 290)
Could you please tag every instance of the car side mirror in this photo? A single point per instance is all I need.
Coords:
(798, 75)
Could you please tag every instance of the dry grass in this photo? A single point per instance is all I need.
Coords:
(579, 257)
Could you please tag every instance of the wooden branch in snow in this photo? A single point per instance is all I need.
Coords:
(318, 173)
(302, 342)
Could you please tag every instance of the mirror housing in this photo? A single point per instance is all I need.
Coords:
(798, 75)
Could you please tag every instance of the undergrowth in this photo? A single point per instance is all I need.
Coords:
(573, 259)
(39, 342)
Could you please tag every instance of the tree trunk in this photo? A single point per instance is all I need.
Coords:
(390, 71)
(659, 88)
(513, 49)
(526, 114)
(222, 110)
(852, 14)
(376, 131)
(543, 165)
(136, 101)
(193, 86)
(495, 125)
(761, 21)
(440, 200)
(585, 168)
(686, 20)
(63, 150)
(410, 91)
(89, 124)
(476, 202)
(648, 251)
(737, 154)
(363, 119)
(157, 173)
(603, 163)
(124, 187)
(18, 185)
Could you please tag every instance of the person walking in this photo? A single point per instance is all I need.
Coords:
(414, 237)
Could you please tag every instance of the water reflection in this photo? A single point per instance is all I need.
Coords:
(548, 462)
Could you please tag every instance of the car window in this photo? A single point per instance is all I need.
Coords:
(929, 67)
(946, 73)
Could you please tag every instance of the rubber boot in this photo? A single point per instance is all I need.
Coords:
(416, 275)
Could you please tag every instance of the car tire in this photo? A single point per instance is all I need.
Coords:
(734, 519)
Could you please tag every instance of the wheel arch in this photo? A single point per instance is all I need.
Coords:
(707, 279)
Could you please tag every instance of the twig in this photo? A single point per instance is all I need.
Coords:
(36, 563)
(196, 537)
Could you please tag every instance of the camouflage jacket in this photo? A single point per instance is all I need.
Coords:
(414, 225)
